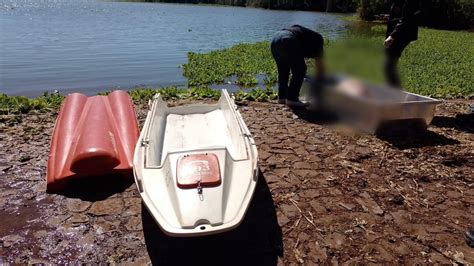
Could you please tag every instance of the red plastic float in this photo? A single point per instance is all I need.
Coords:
(93, 136)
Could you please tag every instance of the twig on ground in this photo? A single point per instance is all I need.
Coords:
(274, 188)
(298, 256)
(297, 222)
(416, 183)
(383, 157)
(297, 243)
(460, 191)
(301, 212)
(447, 254)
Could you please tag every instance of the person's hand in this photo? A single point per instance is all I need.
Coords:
(388, 42)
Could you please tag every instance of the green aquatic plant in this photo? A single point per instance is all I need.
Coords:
(246, 80)
(174, 93)
(171, 93)
(23, 105)
(263, 95)
(142, 94)
(203, 92)
(167, 93)
(53, 100)
(240, 95)
(242, 60)
(270, 79)
(439, 64)
(256, 94)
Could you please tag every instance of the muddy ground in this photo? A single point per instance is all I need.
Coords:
(328, 194)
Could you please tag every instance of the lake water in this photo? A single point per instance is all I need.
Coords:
(91, 46)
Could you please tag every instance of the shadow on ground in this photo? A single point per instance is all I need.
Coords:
(318, 117)
(257, 241)
(411, 134)
(96, 188)
(461, 122)
(404, 134)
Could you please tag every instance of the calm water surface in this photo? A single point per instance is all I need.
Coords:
(91, 46)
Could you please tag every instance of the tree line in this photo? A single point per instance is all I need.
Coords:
(313, 5)
(443, 14)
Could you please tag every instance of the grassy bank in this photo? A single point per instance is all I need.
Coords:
(439, 64)
(52, 101)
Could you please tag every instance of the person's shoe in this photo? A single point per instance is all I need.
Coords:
(281, 101)
(296, 104)
(469, 236)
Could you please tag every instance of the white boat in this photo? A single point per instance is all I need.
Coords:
(196, 166)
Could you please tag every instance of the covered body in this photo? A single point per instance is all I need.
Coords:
(369, 106)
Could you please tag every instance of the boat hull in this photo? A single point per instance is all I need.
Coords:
(196, 167)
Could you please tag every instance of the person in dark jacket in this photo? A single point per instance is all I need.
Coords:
(289, 48)
(402, 28)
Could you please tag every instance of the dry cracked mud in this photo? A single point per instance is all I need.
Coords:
(326, 195)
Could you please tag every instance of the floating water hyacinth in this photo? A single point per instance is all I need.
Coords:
(439, 64)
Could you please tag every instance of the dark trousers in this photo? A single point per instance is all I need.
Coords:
(392, 55)
(285, 51)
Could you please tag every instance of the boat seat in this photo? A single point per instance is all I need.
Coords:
(198, 170)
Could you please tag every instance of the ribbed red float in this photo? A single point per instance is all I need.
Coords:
(93, 136)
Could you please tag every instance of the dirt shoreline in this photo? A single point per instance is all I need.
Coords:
(339, 196)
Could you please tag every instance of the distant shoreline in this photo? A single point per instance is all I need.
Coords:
(320, 9)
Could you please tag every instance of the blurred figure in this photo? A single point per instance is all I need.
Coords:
(402, 28)
(289, 48)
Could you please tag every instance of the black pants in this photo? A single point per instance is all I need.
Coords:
(285, 51)
(392, 55)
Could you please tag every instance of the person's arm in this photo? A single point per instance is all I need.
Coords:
(320, 67)
(410, 12)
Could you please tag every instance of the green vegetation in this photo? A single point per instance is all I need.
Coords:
(441, 14)
(49, 102)
(257, 94)
(439, 64)
(172, 93)
(241, 60)
(23, 105)
(246, 80)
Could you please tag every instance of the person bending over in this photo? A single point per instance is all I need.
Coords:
(402, 28)
(289, 48)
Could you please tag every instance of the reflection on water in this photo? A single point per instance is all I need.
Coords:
(91, 46)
